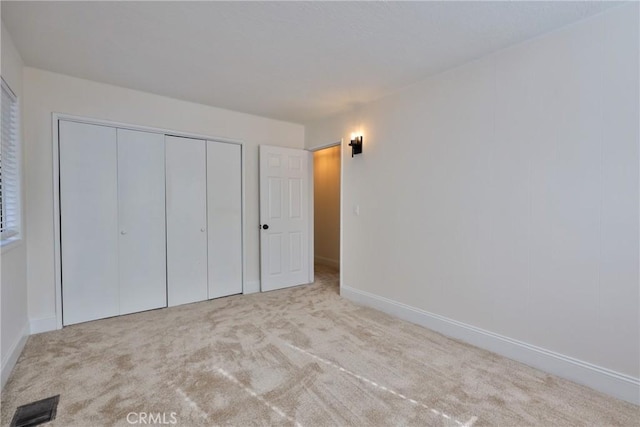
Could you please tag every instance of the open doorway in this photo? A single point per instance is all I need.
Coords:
(326, 212)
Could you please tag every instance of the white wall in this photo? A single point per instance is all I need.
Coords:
(46, 92)
(326, 206)
(13, 281)
(504, 195)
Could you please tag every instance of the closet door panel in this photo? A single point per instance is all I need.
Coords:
(224, 212)
(142, 238)
(89, 221)
(186, 182)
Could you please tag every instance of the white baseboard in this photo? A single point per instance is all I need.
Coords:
(11, 358)
(251, 287)
(45, 324)
(613, 383)
(327, 261)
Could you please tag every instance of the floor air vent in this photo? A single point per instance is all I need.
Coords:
(35, 413)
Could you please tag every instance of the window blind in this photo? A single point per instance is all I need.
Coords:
(9, 165)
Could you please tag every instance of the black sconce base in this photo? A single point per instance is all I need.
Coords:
(356, 146)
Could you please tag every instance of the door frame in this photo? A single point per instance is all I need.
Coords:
(339, 143)
(57, 254)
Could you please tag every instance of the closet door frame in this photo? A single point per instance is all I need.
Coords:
(47, 324)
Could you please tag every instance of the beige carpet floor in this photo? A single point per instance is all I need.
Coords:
(301, 356)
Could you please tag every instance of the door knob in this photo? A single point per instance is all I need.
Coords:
(265, 227)
(123, 232)
(203, 229)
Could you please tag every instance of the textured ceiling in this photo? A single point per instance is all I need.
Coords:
(294, 61)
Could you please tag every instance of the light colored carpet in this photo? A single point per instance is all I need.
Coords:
(302, 356)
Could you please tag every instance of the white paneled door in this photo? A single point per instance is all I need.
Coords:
(89, 222)
(224, 212)
(284, 217)
(186, 192)
(141, 221)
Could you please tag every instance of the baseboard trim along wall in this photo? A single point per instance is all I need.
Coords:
(13, 354)
(45, 324)
(327, 261)
(604, 380)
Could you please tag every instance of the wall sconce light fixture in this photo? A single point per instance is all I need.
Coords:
(356, 144)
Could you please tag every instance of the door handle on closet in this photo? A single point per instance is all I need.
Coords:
(123, 232)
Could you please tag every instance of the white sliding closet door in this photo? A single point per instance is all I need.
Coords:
(141, 207)
(89, 222)
(186, 180)
(224, 206)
